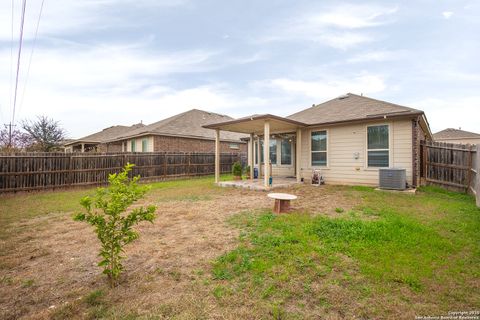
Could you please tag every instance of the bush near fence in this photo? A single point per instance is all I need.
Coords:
(37, 171)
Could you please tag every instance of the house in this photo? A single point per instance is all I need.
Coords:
(97, 142)
(451, 135)
(347, 138)
(183, 132)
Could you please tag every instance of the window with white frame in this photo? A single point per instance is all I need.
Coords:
(286, 152)
(319, 148)
(144, 145)
(378, 151)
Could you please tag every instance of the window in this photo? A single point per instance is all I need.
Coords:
(273, 151)
(286, 152)
(132, 146)
(378, 146)
(144, 145)
(234, 146)
(319, 148)
(255, 151)
(262, 155)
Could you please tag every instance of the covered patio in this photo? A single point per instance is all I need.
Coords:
(261, 129)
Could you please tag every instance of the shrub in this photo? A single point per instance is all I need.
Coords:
(247, 170)
(237, 169)
(106, 212)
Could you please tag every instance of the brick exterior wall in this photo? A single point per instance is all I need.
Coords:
(110, 147)
(179, 144)
(417, 136)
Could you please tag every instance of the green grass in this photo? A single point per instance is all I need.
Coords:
(387, 242)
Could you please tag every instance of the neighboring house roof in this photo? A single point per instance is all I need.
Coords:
(107, 134)
(187, 124)
(351, 107)
(451, 133)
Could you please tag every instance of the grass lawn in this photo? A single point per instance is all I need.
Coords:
(344, 252)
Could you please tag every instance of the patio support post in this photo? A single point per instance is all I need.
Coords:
(266, 152)
(217, 155)
(298, 155)
(252, 156)
(259, 162)
(83, 147)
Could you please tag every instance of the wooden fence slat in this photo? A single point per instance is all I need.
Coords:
(448, 164)
(36, 171)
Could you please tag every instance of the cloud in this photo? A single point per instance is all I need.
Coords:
(451, 112)
(61, 17)
(352, 16)
(447, 14)
(82, 114)
(341, 26)
(377, 56)
(326, 88)
(344, 40)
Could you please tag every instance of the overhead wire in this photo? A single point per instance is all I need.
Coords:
(22, 22)
(31, 55)
(11, 61)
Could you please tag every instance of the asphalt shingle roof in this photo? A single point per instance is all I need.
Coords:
(187, 124)
(109, 133)
(451, 133)
(350, 107)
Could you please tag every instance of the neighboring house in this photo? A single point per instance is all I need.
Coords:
(183, 132)
(347, 138)
(451, 135)
(97, 142)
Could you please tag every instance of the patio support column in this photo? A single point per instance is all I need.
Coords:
(259, 162)
(83, 147)
(266, 152)
(252, 155)
(217, 155)
(298, 155)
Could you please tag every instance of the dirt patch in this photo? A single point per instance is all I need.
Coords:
(50, 263)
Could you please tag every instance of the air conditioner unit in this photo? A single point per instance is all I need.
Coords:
(393, 178)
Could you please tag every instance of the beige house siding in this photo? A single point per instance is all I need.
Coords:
(344, 142)
(138, 144)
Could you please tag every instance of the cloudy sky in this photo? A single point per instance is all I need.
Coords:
(105, 62)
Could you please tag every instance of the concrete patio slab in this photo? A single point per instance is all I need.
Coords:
(257, 184)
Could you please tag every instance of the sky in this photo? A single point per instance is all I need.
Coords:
(101, 63)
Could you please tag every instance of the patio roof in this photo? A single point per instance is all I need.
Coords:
(255, 124)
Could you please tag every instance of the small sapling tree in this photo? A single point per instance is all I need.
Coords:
(106, 211)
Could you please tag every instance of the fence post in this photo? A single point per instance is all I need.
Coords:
(477, 174)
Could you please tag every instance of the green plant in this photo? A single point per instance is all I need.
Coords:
(106, 212)
(237, 169)
(247, 170)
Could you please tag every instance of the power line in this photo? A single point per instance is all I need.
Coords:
(22, 22)
(11, 59)
(31, 55)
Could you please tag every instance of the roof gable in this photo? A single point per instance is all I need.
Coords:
(350, 107)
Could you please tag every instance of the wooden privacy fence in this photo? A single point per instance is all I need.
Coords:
(455, 166)
(36, 171)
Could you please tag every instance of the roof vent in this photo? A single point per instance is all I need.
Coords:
(343, 96)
